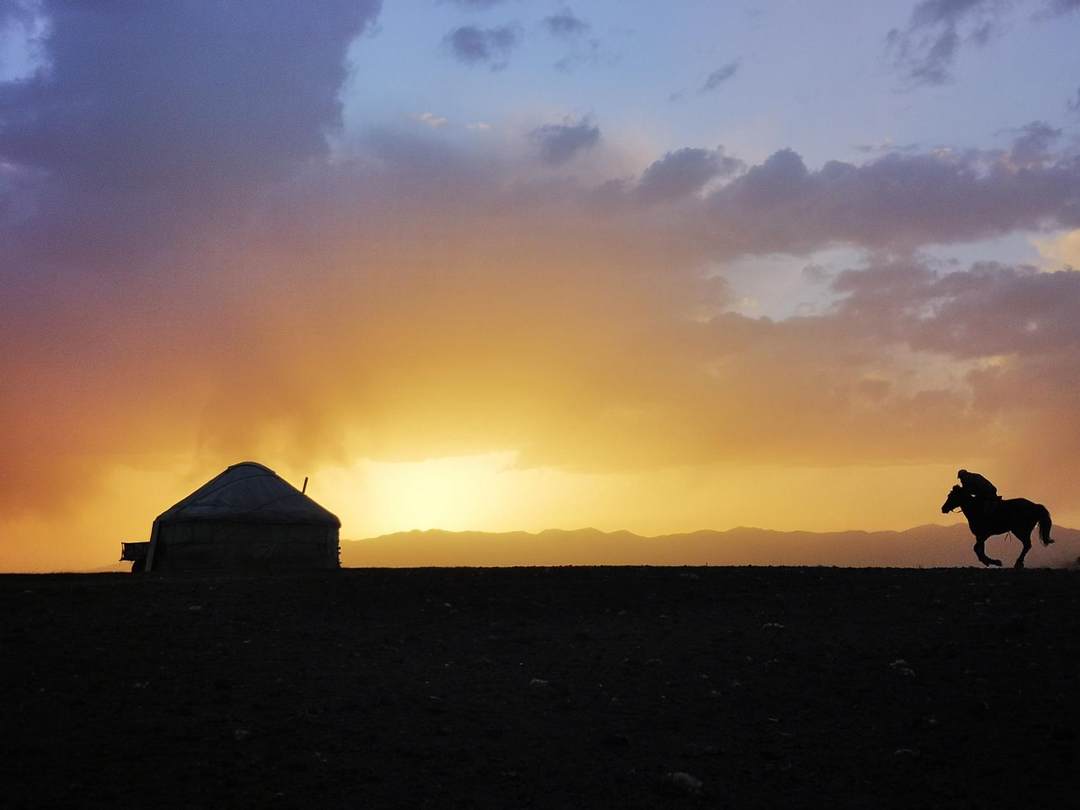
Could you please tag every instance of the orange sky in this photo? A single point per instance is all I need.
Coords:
(564, 324)
(556, 367)
(549, 373)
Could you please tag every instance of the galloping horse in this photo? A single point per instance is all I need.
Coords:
(1016, 515)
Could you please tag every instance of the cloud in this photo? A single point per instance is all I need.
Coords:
(684, 172)
(719, 76)
(582, 49)
(926, 49)
(132, 143)
(112, 113)
(558, 143)
(430, 119)
(451, 335)
(1032, 147)
(897, 202)
(472, 45)
(1073, 104)
(1012, 335)
(565, 24)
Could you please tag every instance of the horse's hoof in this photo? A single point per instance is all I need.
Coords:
(1018, 564)
(996, 562)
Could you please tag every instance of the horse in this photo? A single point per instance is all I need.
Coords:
(1016, 515)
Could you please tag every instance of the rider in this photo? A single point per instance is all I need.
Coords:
(979, 489)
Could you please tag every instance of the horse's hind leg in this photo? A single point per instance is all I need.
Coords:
(1025, 538)
(980, 552)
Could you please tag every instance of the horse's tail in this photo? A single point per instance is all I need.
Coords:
(1044, 524)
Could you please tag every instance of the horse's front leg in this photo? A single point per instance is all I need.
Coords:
(980, 552)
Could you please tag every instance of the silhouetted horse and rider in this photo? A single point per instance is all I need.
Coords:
(987, 514)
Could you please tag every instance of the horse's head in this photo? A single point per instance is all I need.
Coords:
(955, 499)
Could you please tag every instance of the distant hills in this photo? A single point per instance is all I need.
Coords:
(923, 546)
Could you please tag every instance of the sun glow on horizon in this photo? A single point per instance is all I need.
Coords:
(491, 492)
(381, 497)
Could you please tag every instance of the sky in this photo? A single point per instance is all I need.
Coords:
(518, 264)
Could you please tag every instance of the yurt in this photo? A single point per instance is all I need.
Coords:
(247, 518)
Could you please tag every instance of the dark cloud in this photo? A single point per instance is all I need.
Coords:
(719, 76)
(925, 50)
(565, 24)
(473, 45)
(582, 49)
(141, 95)
(150, 118)
(558, 143)
(897, 202)
(1032, 146)
(684, 172)
(150, 122)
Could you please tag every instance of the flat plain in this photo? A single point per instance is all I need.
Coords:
(542, 687)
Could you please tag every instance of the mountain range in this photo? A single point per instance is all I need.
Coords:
(931, 545)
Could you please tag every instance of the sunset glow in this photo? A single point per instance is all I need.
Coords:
(578, 266)
(446, 493)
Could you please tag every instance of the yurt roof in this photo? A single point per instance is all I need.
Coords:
(249, 492)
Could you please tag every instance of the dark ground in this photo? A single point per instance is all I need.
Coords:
(581, 687)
